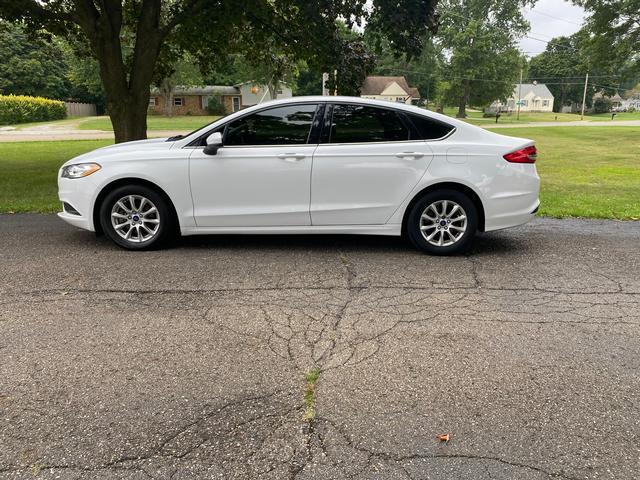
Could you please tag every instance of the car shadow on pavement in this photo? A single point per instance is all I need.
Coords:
(497, 242)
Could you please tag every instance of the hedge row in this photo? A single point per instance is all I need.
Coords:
(21, 109)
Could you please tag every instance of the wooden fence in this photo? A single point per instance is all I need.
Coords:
(80, 109)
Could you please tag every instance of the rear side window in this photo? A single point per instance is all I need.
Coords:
(360, 123)
(428, 128)
(288, 125)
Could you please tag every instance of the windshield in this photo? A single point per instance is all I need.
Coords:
(180, 137)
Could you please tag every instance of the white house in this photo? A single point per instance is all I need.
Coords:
(392, 89)
(534, 97)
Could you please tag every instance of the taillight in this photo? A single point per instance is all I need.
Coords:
(524, 155)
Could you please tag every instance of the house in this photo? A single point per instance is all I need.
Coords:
(534, 97)
(631, 103)
(194, 100)
(393, 89)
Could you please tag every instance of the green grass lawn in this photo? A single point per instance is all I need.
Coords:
(28, 173)
(586, 172)
(155, 122)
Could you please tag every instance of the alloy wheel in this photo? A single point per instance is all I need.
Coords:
(135, 218)
(443, 223)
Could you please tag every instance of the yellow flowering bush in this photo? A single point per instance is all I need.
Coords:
(22, 108)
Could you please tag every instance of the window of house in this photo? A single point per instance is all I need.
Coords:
(524, 102)
(359, 123)
(153, 101)
(427, 128)
(288, 125)
(236, 104)
(545, 103)
(178, 101)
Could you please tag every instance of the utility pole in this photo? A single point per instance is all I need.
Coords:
(519, 94)
(584, 96)
(325, 79)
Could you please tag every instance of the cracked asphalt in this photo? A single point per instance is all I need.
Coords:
(190, 362)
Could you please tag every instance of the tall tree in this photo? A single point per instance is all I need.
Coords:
(563, 66)
(31, 65)
(615, 29)
(130, 38)
(479, 37)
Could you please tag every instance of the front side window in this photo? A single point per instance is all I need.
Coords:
(178, 101)
(361, 123)
(427, 128)
(288, 125)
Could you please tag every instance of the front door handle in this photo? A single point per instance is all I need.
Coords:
(410, 155)
(291, 157)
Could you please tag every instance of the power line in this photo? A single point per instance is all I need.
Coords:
(539, 12)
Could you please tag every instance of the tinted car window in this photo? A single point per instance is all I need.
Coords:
(287, 125)
(359, 123)
(428, 129)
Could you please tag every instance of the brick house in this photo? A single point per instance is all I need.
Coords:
(194, 100)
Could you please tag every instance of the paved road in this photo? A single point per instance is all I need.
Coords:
(191, 362)
(586, 123)
(69, 132)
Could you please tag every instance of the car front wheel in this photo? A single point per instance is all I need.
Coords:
(443, 222)
(136, 217)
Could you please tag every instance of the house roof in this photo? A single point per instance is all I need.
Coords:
(539, 90)
(375, 85)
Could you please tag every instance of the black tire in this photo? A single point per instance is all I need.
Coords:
(462, 242)
(166, 228)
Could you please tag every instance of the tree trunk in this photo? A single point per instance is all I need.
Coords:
(126, 83)
(129, 118)
(464, 99)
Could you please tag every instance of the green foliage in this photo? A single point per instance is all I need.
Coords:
(602, 105)
(614, 28)
(480, 38)
(31, 65)
(134, 42)
(215, 107)
(562, 65)
(423, 71)
(22, 109)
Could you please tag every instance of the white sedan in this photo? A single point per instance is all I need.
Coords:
(308, 165)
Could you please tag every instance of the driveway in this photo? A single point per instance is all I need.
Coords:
(191, 362)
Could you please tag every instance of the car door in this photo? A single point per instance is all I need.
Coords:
(261, 175)
(365, 166)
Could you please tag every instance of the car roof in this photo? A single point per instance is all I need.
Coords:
(458, 124)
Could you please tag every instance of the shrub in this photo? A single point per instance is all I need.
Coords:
(215, 107)
(602, 105)
(22, 109)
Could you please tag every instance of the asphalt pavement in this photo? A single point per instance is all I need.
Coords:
(192, 362)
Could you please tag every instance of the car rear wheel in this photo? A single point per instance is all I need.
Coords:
(136, 217)
(443, 222)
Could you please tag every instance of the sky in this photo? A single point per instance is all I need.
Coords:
(549, 19)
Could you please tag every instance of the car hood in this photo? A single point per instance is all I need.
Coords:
(118, 149)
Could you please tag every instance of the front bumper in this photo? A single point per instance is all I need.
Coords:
(79, 193)
(77, 221)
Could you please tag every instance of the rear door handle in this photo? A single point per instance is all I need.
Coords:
(410, 155)
(291, 157)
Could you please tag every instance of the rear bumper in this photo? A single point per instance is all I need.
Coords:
(513, 218)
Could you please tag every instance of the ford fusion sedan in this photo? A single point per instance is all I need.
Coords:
(339, 165)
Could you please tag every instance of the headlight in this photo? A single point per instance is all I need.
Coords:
(79, 170)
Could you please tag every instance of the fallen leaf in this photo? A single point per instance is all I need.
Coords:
(443, 437)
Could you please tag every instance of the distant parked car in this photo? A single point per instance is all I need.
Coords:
(308, 165)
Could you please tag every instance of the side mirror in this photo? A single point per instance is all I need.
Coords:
(214, 142)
